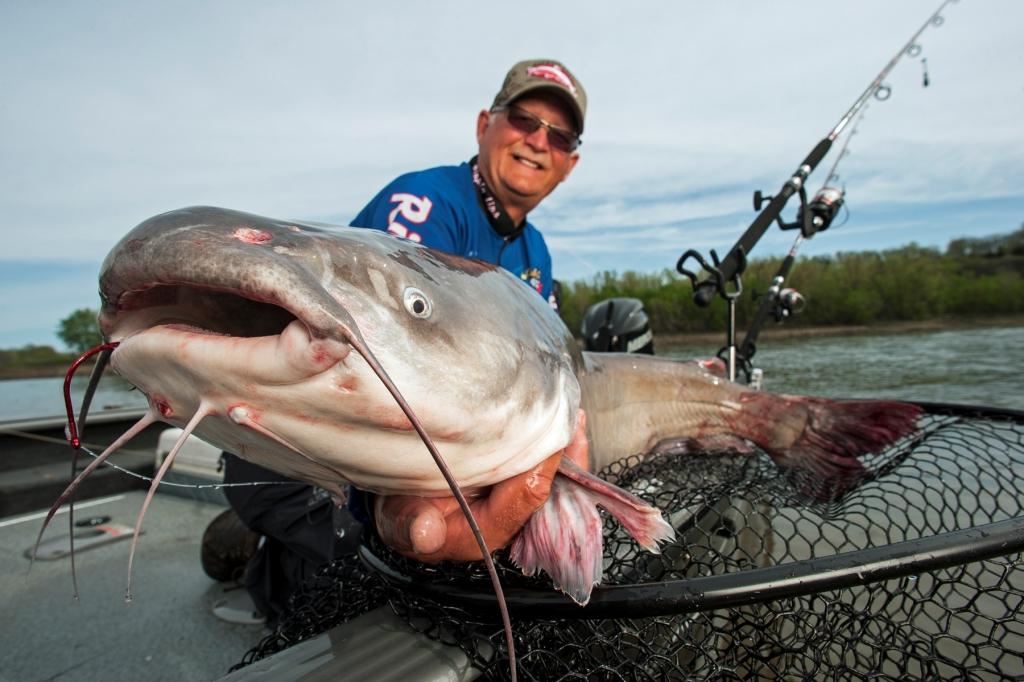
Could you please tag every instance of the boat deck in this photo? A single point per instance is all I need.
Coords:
(168, 632)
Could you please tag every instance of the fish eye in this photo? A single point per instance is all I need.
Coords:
(417, 303)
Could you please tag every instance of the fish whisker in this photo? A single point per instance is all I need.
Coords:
(202, 411)
(149, 418)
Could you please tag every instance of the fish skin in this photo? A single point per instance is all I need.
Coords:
(254, 318)
(635, 403)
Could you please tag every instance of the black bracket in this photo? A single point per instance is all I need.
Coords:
(802, 217)
(715, 274)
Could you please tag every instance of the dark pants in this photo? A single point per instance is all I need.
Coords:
(301, 528)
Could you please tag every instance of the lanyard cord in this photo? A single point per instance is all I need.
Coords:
(499, 219)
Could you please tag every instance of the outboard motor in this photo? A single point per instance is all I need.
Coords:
(617, 325)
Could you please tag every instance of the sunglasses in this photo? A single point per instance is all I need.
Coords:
(559, 138)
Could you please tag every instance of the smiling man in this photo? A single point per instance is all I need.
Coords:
(528, 142)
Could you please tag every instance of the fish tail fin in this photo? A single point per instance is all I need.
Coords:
(564, 537)
(836, 433)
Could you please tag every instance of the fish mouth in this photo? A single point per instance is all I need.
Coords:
(198, 310)
(194, 273)
(274, 342)
(272, 389)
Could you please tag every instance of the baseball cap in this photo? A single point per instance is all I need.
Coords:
(544, 74)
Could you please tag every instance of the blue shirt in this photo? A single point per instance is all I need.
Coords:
(440, 208)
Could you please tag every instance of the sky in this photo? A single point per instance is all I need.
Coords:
(113, 111)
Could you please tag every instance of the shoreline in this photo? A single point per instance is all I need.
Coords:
(41, 372)
(777, 332)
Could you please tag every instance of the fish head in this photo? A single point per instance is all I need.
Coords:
(283, 331)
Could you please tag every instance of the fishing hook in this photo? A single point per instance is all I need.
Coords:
(72, 427)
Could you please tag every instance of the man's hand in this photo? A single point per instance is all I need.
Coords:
(433, 529)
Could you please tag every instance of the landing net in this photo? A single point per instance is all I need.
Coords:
(916, 573)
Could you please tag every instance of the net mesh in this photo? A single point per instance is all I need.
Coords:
(735, 513)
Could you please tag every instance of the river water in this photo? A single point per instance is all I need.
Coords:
(29, 398)
(974, 367)
(978, 367)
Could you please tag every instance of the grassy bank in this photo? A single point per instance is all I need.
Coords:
(34, 361)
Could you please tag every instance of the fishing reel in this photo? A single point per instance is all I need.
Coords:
(788, 302)
(813, 216)
(784, 302)
(818, 214)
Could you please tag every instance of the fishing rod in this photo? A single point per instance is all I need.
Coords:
(778, 302)
(723, 277)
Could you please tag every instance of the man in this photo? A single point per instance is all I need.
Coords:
(527, 146)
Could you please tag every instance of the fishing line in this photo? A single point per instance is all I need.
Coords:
(84, 447)
(196, 486)
(50, 439)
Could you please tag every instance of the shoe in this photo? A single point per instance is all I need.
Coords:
(238, 608)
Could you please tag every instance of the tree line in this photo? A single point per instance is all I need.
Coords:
(973, 278)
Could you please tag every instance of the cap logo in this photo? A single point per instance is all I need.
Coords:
(554, 73)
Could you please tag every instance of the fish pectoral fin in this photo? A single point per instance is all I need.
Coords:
(564, 537)
(641, 520)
